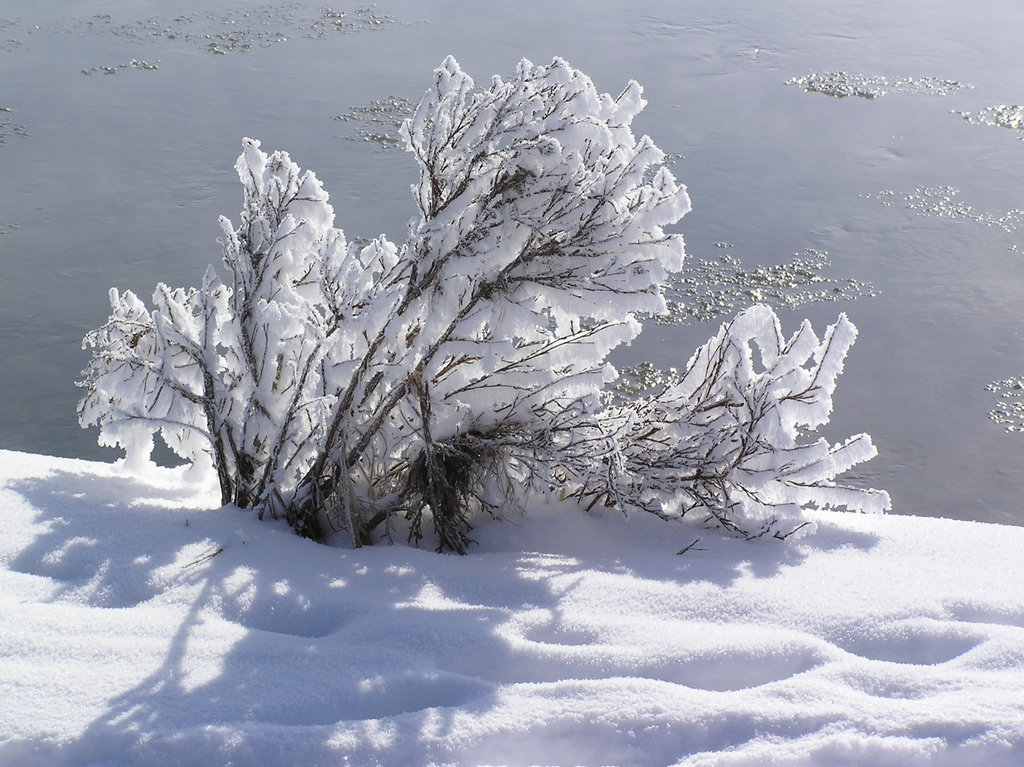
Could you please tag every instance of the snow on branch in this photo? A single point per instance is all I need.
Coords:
(723, 440)
(358, 385)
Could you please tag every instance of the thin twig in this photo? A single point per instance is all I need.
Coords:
(691, 546)
(203, 558)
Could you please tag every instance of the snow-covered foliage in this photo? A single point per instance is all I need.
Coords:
(723, 439)
(540, 238)
(339, 385)
(239, 373)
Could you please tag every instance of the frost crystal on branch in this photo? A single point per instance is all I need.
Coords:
(343, 385)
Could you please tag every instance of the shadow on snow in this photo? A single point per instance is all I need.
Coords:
(284, 651)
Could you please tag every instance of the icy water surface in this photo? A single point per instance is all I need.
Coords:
(841, 157)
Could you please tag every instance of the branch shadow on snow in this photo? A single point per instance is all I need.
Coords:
(93, 545)
(665, 550)
(281, 651)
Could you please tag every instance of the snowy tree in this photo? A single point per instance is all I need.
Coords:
(344, 385)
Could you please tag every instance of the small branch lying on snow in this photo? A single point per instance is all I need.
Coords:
(784, 536)
(691, 546)
(203, 558)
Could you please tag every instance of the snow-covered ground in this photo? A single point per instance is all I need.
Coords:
(138, 627)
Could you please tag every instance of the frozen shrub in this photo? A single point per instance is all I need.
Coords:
(340, 385)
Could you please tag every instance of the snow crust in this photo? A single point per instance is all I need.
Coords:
(139, 625)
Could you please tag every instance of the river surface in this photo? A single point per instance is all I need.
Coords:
(867, 156)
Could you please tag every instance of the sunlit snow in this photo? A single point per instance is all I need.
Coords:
(140, 626)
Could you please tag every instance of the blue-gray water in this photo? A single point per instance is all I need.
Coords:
(118, 179)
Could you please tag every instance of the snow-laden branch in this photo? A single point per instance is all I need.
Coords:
(724, 440)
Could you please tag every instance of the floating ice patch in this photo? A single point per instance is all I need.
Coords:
(378, 121)
(133, 64)
(332, 21)
(1009, 410)
(944, 202)
(238, 31)
(242, 40)
(1001, 116)
(641, 379)
(6, 228)
(842, 84)
(242, 31)
(9, 128)
(10, 44)
(709, 289)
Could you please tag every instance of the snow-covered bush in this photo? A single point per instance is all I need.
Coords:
(340, 385)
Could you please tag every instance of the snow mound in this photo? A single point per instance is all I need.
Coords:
(139, 627)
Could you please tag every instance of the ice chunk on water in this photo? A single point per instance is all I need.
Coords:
(842, 84)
